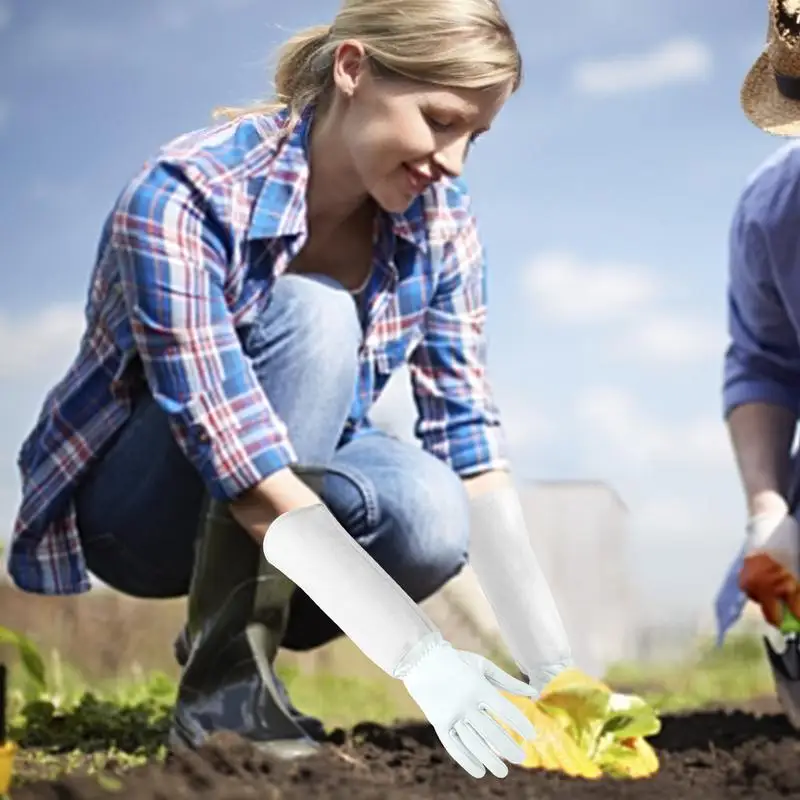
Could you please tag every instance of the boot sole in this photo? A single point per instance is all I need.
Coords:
(281, 749)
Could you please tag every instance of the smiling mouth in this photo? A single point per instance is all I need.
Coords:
(417, 180)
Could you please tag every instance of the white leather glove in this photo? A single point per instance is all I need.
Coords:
(456, 691)
(501, 554)
(777, 535)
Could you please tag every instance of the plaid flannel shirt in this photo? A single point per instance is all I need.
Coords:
(186, 259)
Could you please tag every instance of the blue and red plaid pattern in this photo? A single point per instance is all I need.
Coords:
(186, 260)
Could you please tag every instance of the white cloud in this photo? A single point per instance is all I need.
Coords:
(674, 61)
(624, 431)
(38, 344)
(673, 339)
(568, 290)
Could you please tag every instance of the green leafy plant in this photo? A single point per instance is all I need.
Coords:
(597, 719)
(29, 656)
(94, 724)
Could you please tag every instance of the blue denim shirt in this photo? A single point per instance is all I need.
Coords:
(762, 362)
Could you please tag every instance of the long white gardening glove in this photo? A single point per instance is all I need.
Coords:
(457, 692)
(505, 564)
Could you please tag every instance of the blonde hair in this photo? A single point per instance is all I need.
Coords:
(466, 44)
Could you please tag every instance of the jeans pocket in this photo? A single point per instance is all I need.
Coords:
(115, 565)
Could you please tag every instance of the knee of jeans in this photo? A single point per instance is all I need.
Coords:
(432, 512)
(321, 313)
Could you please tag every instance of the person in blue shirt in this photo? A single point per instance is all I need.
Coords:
(761, 390)
(256, 284)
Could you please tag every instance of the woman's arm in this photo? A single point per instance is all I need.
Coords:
(172, 251)
(460, 423)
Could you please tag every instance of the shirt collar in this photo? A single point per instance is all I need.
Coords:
(280, 205)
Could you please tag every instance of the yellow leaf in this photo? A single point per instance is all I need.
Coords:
(552, 749)
(7, 753)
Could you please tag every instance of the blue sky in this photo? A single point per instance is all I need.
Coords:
(604, 194)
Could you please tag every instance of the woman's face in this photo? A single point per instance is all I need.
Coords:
(402, 136)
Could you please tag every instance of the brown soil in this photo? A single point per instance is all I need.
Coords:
(711, 754)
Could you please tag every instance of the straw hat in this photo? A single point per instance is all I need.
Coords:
(770, 94)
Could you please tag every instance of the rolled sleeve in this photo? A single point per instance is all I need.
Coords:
(458, 419)
(172, 253)
(762, 361)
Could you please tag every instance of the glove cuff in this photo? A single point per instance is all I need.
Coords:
(419, 653)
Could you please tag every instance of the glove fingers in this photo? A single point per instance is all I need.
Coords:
(461, 754)
(479, 748)
(498, 738)
(506, 712)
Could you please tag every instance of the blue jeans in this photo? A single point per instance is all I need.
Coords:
(138, 509)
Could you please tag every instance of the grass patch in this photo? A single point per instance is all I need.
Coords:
(343, 702)
(71, 708)
(736, 672)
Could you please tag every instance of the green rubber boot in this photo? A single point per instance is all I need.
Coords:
(238, 609)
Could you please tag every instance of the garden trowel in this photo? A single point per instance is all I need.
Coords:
(782, 644)
(785, 666)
